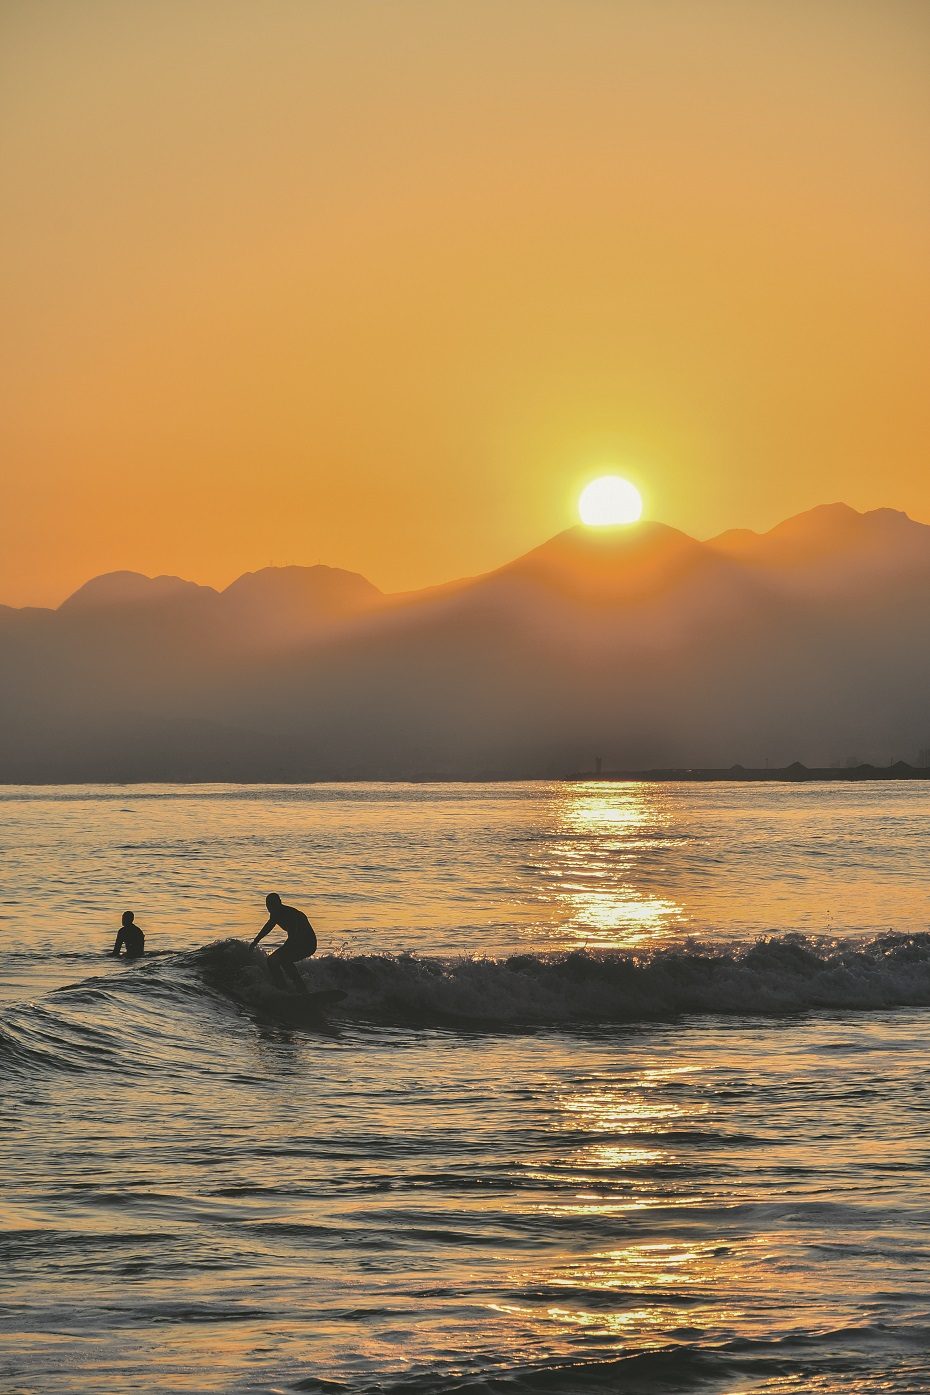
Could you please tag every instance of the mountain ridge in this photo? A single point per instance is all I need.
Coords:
(642, 645)
(600, 547)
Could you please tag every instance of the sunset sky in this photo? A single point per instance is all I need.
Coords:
(382, 285)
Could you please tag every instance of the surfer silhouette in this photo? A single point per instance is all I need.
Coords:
(130, 938)
(300, 942)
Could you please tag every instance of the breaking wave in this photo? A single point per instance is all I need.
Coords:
(118, 1018)
(784, 975)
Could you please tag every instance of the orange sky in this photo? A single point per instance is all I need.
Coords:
(381, 285)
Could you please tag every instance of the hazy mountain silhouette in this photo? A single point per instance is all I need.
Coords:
(286, 604)
(115, 589)
(834, 546)
(640, 644)
(610, 565)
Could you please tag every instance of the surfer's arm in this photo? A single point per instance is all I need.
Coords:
(119, 942)
(265, 930)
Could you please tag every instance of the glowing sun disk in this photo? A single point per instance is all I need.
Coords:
(608, 501)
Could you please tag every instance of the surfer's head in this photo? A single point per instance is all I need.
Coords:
(272, 900)
(128, 917)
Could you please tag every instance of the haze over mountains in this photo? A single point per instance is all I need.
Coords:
(638, 644)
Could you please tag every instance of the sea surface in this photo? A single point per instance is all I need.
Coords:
(629, 1090)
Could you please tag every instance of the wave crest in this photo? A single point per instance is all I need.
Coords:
(773, 977)
(141, 1018)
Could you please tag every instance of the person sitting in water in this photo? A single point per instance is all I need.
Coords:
(300, 942)
(130, 937)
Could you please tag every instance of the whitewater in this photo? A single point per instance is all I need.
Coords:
(627, 1091)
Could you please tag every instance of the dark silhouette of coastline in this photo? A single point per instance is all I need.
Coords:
(796, 773)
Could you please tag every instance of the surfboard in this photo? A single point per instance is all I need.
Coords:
(305, 1009)
(328, 997)
(293, 998)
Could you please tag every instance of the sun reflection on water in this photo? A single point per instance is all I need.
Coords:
(642, 1290)
(630, 1135)
(596, 866)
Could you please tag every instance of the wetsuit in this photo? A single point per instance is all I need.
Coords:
(131, 939)
(301, 940)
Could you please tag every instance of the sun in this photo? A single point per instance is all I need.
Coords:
(608, 501)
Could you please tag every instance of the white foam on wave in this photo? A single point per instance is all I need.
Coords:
(771, 977)
(776, 976)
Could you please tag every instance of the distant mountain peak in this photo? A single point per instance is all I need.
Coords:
(278, 605)
(838, 520)
(294, 580)
(127, 588)
(607, 546)
(820, 519)
(835, 542)
(610, 564)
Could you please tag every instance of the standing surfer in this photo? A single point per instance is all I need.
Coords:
(130, 937)
(300, 942)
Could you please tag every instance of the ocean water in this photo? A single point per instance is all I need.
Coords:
(628, 1091)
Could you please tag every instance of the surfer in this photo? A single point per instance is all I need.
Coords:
(130, 937)
(300, 942)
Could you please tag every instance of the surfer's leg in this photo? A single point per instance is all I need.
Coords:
(295, 976)
(282, 963)
(276, 969)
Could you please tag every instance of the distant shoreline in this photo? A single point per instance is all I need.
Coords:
(795, 773)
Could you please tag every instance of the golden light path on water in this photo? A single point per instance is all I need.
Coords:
(651, 1290)
(606, 833)
(639, 1108)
